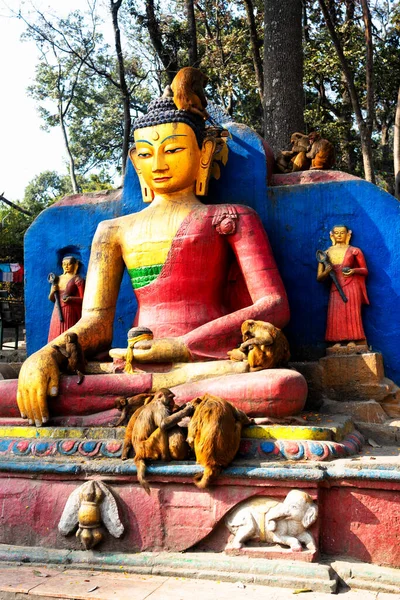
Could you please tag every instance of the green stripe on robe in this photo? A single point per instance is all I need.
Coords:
(142, 276)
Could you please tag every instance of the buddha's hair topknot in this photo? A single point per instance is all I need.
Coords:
(164, 110)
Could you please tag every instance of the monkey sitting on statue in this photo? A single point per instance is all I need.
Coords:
(73, 352)
(129, 405)
(321, 152)
(188, 89)
(214, 433)
(152, 433)
(295, 159)
(264, 346)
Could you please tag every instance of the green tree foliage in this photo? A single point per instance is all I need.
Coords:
(80, 71)
(328, 105)
(45, 189)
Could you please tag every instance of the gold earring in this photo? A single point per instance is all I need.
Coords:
(147, 193)
(204, 172)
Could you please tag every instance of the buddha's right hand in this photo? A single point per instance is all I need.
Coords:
(38, 378)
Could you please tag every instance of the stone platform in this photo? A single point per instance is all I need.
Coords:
(357, 498)
(317, 438)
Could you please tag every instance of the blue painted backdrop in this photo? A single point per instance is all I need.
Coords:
(297, 218)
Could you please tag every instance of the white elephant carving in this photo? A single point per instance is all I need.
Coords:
(264, 519)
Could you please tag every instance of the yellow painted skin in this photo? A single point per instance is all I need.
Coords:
(169, 160)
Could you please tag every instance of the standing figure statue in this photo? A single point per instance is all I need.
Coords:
(67, 294)
(182, 257)
(347, 267)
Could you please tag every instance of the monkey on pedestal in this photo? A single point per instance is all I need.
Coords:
(73, 352)
(321, 152)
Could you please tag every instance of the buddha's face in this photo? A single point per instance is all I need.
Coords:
(68, 266)
(168, 157)
(339, 234)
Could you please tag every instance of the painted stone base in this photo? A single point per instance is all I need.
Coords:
(316, 437)
(272, 553)
(359, 512)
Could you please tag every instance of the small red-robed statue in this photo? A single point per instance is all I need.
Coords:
(347, 267)
(67, 294)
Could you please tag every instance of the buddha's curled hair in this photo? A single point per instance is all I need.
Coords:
(163, 110)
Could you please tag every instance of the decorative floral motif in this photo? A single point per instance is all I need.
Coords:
(249, 448)
(224, 219)
(301, 449)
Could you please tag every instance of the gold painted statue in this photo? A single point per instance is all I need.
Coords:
(180, 255)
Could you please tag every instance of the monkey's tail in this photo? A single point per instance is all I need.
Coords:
(209, 474)
(141, 471)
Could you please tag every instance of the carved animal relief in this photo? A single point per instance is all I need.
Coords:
(264, 520)
(91, 506)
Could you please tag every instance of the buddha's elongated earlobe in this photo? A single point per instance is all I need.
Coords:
(348, 236)
(203, 175)
(147, 193)
(332, 238)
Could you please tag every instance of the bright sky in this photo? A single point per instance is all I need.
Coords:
(25, 150)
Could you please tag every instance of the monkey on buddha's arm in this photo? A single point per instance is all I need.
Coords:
(40, 373)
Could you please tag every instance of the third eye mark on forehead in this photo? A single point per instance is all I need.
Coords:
(175, 135)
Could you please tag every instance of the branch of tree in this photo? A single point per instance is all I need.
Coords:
(15, 206)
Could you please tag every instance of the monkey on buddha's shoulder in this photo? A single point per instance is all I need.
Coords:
(72, 351)
(188, 88)
(321, 152)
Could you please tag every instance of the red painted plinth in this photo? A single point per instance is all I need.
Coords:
(362, 522)
(356, 520)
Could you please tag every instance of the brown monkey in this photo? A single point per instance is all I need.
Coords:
(128, 406)
(294, 159)
(264, 346)
(321, 152)
(154, 417)
(188, 88)
(300, 144)
(73, 352)
(214, 434)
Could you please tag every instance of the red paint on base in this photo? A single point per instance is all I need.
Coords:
(307, 177)
(362, 523)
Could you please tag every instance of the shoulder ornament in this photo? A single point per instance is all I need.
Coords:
(225, 218)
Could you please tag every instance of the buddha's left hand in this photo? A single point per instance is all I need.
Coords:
(161, 350)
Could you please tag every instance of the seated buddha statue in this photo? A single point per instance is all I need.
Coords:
(198, 272)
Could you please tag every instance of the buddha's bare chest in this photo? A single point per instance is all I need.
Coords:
(336, 254)
(148, 239)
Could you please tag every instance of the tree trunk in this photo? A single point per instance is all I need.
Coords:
(115, 6)
(345, 120)
(72, 174)
(396, 149)
(283, 72)
(255, 47)
(363, 126)
(191, 21)
(154, 30)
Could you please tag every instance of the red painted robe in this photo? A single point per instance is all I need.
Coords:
(219, 272)
(71, 310)
(344, 318)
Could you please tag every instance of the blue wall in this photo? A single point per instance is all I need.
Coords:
(297, 218)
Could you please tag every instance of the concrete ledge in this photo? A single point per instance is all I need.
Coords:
(196, 565)
(368, 577)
